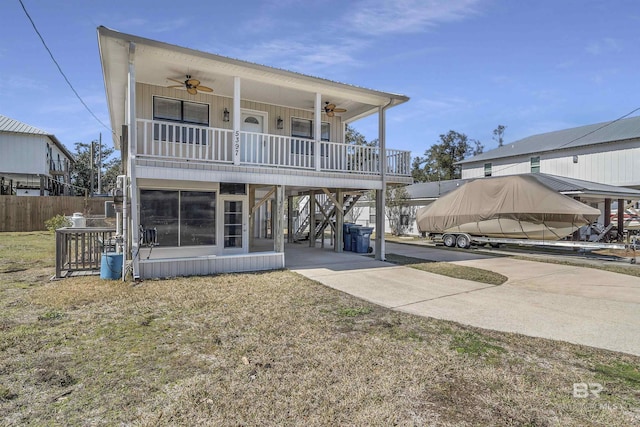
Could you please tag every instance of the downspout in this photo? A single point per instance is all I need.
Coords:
(133, 144)
(381, 200)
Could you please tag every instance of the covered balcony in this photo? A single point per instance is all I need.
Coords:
(187, 143)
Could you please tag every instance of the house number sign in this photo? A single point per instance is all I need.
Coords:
(236, 143)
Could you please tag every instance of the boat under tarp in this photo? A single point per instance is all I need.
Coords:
(513, 207)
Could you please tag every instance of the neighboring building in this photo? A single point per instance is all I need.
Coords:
(606, 153)
(33, 162)
(214, 147)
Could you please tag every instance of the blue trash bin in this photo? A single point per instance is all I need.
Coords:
(361, 239)
(346, 235)
(111, 266)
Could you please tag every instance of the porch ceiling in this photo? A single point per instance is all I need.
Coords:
(156, 61)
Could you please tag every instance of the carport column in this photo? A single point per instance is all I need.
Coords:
(278, 222)
(338, 245)
(620, 219)
(607, 212)
(380, 246)
(312, 219)
(236, 120)
(381, 194)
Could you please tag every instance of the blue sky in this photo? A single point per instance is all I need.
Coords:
(467, 65)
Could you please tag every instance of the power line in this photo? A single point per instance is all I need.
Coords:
(60, 69)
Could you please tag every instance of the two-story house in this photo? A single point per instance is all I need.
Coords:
(606, 153)
(209, 141)
(33, 162)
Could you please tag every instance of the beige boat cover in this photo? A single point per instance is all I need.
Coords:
(485, 206)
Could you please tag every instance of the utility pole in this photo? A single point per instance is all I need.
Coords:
(100, 164)
(91, 167)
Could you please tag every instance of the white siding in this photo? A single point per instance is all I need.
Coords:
(499, 167)
(161, 170)
(613, 164)
(217, 104)
(23, 153)
(207, 265)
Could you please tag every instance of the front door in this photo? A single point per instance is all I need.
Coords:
(253, 128)
(234, 227)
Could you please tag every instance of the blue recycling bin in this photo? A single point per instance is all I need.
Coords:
(347, 229)
(111, 266)
(361, 239)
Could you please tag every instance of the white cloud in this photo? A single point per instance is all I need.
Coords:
(303, 56)
(606, 45)
(382, 17)
(135, 25)
(339, 40)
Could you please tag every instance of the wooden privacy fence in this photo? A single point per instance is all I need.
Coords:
(81, 249)
(28, 213)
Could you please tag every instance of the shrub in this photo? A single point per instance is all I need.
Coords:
(56, 222)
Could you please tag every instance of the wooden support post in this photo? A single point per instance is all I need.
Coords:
(338, 245)
(312, 219)
(607, 212)
(620, 219)
(252, 216)
(277, 220)
(290, 229)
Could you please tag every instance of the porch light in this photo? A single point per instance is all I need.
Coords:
(225, 115)
(280, 123)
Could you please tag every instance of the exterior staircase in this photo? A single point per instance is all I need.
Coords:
(325, 209)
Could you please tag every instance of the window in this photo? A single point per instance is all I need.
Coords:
(182, 218)
(232, 188)
(487, 169)
(372, 214)
(303, 128)
(535, 164)
(179, 111)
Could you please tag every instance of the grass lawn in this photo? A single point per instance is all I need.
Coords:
(274, 349)
(448, 269)
(541, 255)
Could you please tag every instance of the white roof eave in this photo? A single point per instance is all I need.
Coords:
(114, 45)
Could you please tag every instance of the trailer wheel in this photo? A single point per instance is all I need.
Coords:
(449, 240)
(463, 241)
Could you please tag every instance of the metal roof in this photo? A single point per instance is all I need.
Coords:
(599, 133)
(11, 125)
(429, 191)
(8, 124)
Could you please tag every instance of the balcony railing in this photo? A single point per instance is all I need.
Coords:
(177, 141)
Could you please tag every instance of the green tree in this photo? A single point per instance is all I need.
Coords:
(400, 214)
(81, 174)
(352, 136)
(498, 135)
(439, 161)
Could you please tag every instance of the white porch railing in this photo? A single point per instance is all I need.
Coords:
(166, 140)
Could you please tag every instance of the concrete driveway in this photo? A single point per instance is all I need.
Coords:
(575, 304)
